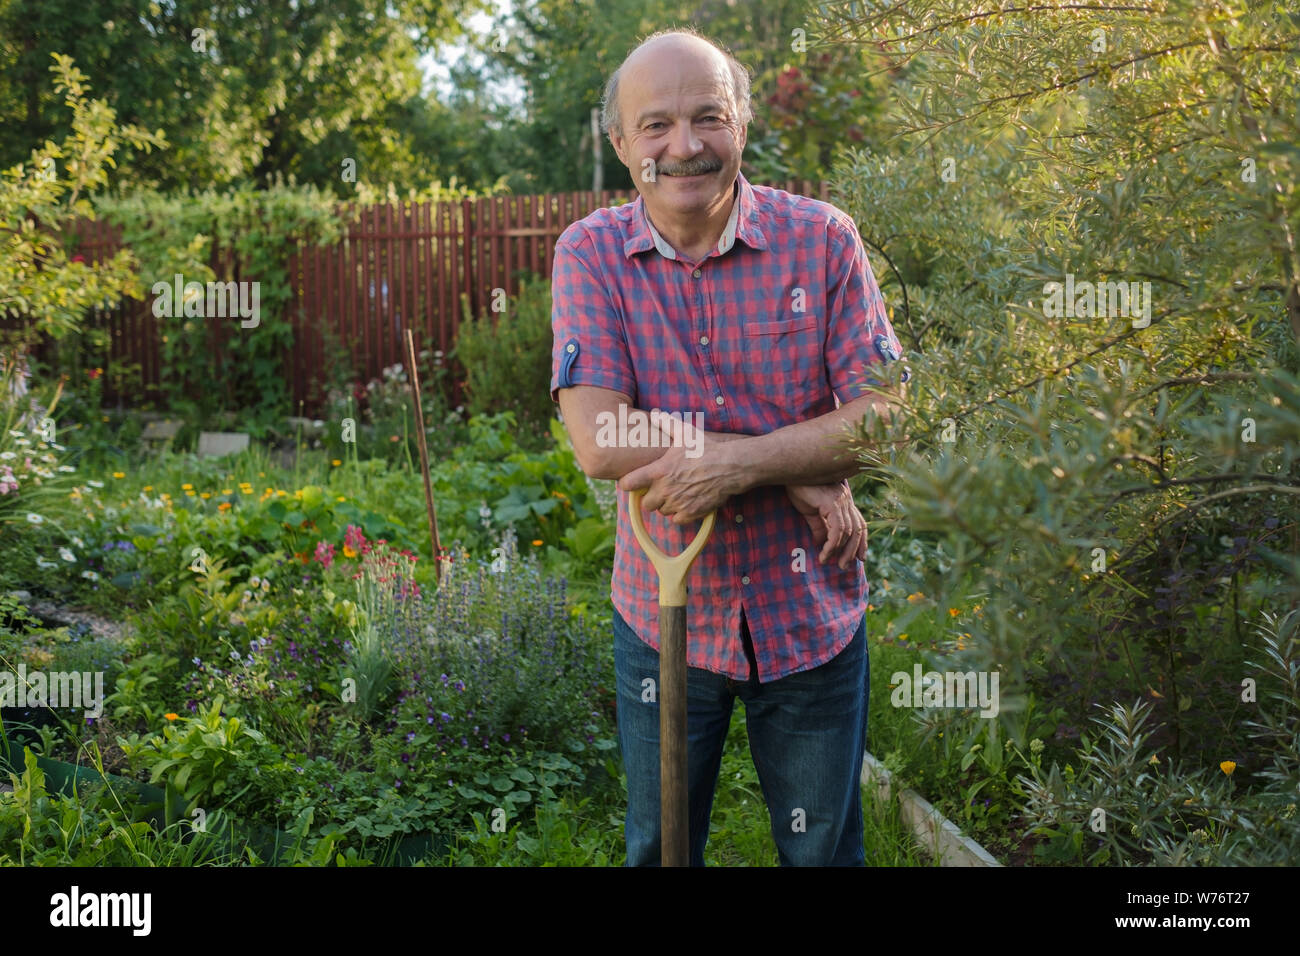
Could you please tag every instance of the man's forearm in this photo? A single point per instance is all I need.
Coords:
(619, 461)
(807, 453)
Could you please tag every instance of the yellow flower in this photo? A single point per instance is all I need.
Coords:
(902, 637)
(341, 498)
(147, 488)
(189, 494)
(172, 716)
(336, 462)
(226, 491)
(119, 474)
(165, 496)
(1227, 767)
(537, 542)
(953, 612)
(205, 494)
(916, 598)
(1154, 761)
(186, 487)
(349, 552)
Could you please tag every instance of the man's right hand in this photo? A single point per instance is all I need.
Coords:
(837, 525)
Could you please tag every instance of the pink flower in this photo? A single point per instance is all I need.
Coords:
(354, 540)
(325, 553)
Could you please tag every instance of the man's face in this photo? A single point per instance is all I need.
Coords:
(681, 138)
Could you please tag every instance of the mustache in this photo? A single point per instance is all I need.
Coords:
(691, 167)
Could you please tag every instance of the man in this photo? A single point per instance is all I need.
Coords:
(756, 309)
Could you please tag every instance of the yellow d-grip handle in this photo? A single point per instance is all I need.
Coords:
(672, 570)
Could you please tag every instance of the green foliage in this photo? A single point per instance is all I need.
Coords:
(38, 280)
(245, 94)
(1124, 806)
(245, 234)
(202, 759)
(1119, 482)
(507, 359)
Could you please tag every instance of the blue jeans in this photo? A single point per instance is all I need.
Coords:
(807, 732)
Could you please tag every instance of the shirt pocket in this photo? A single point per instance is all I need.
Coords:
(785, 362)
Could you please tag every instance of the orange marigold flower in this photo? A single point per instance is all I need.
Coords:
(172, 716)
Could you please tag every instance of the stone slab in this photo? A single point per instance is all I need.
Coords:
(218, 444)
(160, 431)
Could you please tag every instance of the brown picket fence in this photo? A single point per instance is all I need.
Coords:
(398, 264)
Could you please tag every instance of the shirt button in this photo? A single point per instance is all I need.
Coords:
(739, 518)
(745, 579)
(570, 348)
(696, 273)
(719, 399)
(704, 340)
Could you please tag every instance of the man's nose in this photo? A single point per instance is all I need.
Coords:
(684, 143)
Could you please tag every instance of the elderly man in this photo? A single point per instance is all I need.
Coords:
(754, 311)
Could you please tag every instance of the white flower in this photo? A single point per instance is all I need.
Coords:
(266, 584)
(21, 441)
(95, 484)
(90, 575)
(66, 469)
(254, 580)
(67, 555)
(78, 542)
(17, 434)
(7, 455)
(34, 518)
(46, 565)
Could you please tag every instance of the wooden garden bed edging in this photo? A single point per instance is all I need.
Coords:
(937, 835)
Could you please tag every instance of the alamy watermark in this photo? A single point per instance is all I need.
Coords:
(1098, 299)
(215, 300)
(634, 428)
(77, 690)
(949, 689)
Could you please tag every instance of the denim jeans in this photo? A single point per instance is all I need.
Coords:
(807, 732)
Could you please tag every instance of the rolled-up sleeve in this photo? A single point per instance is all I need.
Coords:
(858, 331)
(589, 346)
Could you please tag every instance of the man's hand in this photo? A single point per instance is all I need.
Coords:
(836, 523)
(686, 489)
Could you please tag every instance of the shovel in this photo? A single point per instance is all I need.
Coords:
(674, 831)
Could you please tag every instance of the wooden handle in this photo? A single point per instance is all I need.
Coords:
(672, 570)
(674, 796)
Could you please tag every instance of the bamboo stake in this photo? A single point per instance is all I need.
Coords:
(424, 454)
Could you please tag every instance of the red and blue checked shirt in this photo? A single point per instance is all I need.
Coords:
(773, 325)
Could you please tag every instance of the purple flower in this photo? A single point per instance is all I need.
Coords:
(410, 736)
(506, 738)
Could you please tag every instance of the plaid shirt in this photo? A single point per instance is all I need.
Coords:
(766, 331)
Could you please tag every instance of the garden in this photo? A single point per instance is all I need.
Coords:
(295, 652)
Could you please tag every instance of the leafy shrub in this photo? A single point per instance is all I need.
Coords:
(507, 360)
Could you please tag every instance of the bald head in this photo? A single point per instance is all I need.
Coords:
(674, 52)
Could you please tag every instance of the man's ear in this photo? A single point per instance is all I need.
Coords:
(616, 140)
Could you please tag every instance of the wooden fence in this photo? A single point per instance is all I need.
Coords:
(398, 264)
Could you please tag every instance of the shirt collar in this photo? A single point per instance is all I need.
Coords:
(741, 225)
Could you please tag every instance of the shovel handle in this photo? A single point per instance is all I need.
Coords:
(674, 797)
(672, 571)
